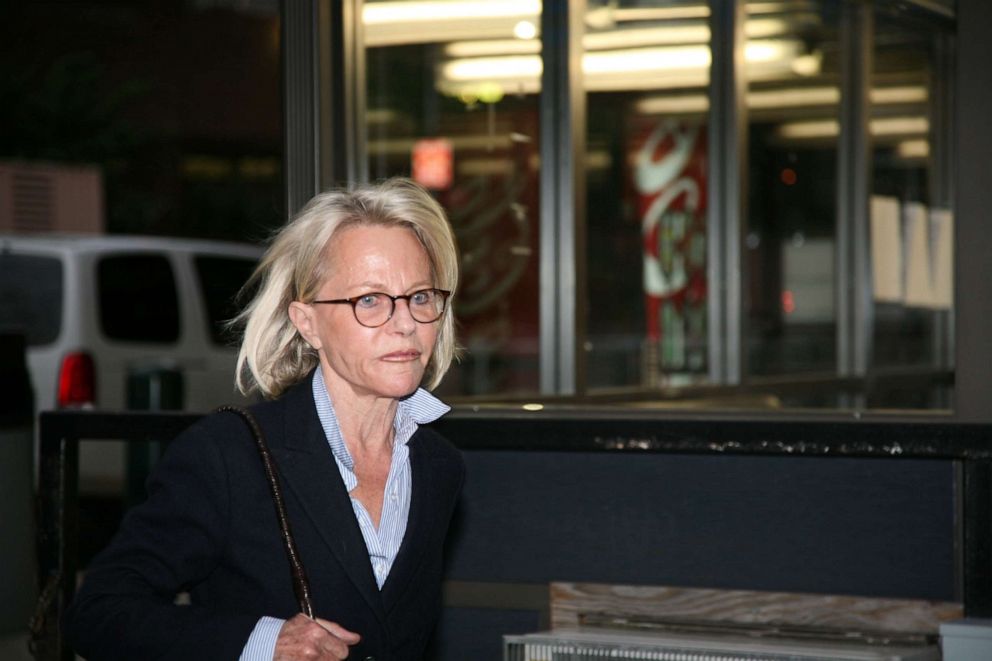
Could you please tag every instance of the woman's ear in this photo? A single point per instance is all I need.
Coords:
(302, 316)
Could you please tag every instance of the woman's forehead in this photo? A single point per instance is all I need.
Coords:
(383, 253)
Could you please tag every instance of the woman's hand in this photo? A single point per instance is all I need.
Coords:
(303, 639)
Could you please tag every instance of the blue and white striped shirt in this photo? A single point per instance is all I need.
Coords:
(383, 543)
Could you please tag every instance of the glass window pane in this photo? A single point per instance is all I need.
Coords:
(793, 100)
(453, 103)
(220, 279)
(31, 297)
(645, 71)
(912, 221)
(137, 299)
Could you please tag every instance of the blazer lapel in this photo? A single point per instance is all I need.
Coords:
(309, 471)
(425, 502)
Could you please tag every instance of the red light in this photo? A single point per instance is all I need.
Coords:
(789, 176)
(788, 302)
(433, 163)
(77, 380)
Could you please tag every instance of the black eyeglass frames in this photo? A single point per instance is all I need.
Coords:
(376, 308)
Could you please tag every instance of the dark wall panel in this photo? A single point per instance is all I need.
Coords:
(836, 525)
(476, 634)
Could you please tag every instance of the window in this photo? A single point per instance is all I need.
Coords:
(788, 252)
(137, 299)
(453, 104)
(31, 297)
(912, 219)
(824, 114)
(645, 165)
(221, 278)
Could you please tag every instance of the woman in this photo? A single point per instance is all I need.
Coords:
(351, 316)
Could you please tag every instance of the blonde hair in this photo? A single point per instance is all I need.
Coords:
(273, 355)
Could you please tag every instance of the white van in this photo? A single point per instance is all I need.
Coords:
(109, 317)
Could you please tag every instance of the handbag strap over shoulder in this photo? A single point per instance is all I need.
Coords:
(301, 586)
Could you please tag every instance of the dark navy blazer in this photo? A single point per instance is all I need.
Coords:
(209, 528)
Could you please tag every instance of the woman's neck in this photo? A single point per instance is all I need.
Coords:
(365, 421)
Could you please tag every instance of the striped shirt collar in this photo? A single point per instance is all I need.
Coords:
(418, 408)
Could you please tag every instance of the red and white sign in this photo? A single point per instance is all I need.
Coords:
(669, 178)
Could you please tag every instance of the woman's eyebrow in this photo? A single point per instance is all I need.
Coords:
(380, 287)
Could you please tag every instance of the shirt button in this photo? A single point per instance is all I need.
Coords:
(393, 497)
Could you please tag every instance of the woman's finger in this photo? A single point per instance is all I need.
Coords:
(349, 637)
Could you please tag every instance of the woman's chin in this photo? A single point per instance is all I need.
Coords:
(400, 386)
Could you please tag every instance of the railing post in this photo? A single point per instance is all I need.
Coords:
(58, 487)
(977, 551)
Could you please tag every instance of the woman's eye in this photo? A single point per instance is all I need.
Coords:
(368, 301)
(421, 297)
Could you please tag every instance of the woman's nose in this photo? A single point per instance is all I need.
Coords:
(402, 319)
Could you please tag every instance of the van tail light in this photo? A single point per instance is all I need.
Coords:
(77, 380)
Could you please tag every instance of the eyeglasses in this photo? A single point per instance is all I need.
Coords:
(375, 308)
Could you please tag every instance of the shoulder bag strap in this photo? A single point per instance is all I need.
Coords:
(301, 586)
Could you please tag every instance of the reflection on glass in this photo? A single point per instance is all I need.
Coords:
(789, 236)
(452, 98)
(912, 222)
(453, 91)
(645, 69)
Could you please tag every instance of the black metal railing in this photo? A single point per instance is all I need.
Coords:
(969, 446)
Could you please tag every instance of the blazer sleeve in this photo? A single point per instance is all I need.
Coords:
(126, 608)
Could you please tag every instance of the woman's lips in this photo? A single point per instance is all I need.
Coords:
(401, 356)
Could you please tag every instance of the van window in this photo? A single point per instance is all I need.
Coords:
(31, 297)
(220, 280)
(137, 298)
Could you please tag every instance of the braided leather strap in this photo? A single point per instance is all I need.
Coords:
(301, 586)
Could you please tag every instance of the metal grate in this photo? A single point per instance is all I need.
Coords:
(594, 646)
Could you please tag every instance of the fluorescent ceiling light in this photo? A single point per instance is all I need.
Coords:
(611, 14)
(431, 11)
(653, 36)
(621, 69)
(493, 47)
(771, 99)
(625, 61)
(613, 39)
(639, 60)
(771, 50)
(899, 126)
(762, 28)
(795, 97)
(618, 15)
(673, 105)
(826, 128)
(480, 69)
(432, 21)
(913, 149)
(882, 126)
(904, 94)
(392, 22)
